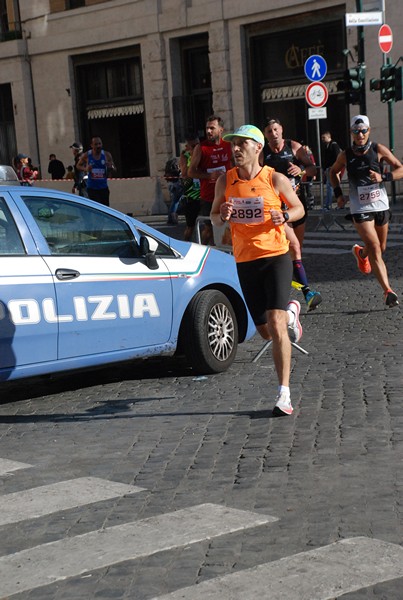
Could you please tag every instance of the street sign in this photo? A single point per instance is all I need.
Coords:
(385, 39)
(316, 94)
(363, 18)
(315, 67)
(317, 113)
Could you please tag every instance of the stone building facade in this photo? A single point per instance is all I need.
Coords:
(142, 73)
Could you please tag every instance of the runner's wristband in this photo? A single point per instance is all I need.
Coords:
(337, 191)
(223, 220)
(387, 177)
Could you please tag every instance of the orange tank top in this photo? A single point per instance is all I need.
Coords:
(253, 233)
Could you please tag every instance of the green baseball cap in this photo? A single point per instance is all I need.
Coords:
(246, 131)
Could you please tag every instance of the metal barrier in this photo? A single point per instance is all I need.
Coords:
(221, 235)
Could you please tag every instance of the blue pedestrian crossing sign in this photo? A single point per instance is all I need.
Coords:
(315, 67)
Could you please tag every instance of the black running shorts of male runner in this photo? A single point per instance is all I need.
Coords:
(191, 211)
(266, 284)
(381, 217)
(301, 196)
(100, 195)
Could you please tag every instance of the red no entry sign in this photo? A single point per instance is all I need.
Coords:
(385, 38)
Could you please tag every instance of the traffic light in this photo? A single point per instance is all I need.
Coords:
(375, 85)
(390, 84)
(353, 84)
(398, 83)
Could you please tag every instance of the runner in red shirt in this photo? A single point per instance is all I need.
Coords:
(210, 159)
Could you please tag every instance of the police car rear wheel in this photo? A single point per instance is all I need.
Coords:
(210, 332)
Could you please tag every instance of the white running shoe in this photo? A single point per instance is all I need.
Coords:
(283, 405)
(294, 326)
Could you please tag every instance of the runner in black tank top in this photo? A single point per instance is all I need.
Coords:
(369, 203)
(290, 158)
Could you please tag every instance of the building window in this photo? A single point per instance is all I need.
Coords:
(111, 105)
(114, 81)
(70, 4)
(195, 104)
(3, 17)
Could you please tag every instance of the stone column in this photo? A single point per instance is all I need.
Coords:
(156, 102)
(220, 72)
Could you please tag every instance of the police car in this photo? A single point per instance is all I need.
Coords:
(83, 285)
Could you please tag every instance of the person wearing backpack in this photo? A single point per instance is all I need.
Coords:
(191, 187)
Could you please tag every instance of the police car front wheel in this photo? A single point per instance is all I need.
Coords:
(210, 332)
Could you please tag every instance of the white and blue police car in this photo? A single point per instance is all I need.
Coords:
(83, 285)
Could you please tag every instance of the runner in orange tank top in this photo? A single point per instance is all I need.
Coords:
(249, 197)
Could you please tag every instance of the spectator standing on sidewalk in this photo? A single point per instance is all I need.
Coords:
(191, 187)
(330, 152)
(172, 176)
(79, 183)
(56, 167)
(250, 196)
(369, 202)
(25, 173)
(97, 163)
(209, 160)
(70, 173)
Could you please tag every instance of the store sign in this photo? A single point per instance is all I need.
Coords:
(293, 48)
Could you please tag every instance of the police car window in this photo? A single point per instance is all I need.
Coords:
(10, 241)
(71, 228)
(162, 250)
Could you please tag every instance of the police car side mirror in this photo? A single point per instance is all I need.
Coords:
(148, 247)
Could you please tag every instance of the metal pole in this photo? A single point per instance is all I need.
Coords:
(392, 141)
(319, 161)
(387, 61)
(361, 58)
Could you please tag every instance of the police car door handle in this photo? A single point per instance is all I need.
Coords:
(65, 274)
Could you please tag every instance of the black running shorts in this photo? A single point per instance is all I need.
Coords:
(191, 211)
(101, 196)
(381, 217)
(266, 284)
(301, 196)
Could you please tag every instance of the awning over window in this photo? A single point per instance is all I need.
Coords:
(285, 92)
(115, 111)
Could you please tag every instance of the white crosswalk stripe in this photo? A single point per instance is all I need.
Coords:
(47, 499)
(321, 574)
(29, 569)
(8, 466)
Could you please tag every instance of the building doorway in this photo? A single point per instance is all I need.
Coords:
(8, 142)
